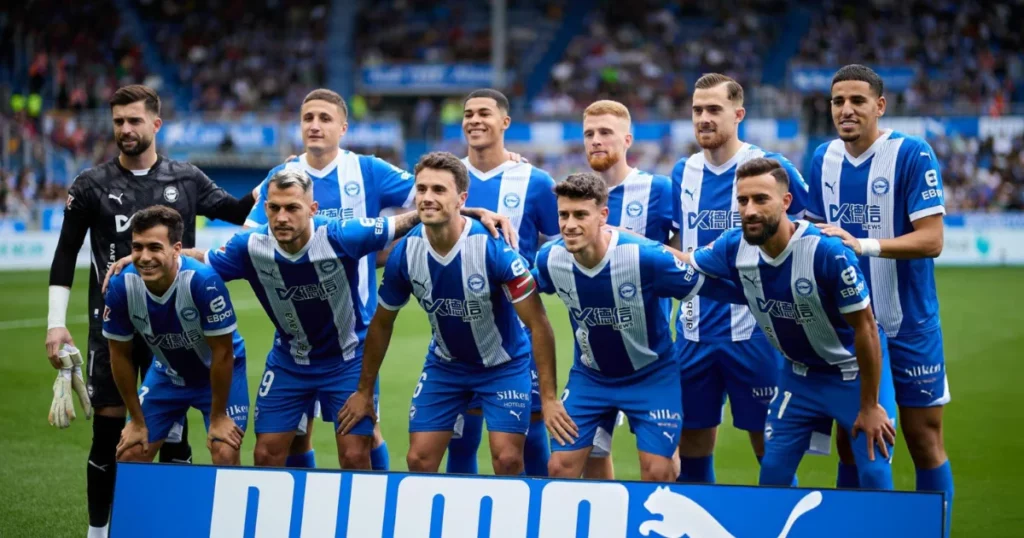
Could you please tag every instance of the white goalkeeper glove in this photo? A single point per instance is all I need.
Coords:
(77, 382)
(62, 410)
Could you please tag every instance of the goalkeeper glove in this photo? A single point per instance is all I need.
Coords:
(62, 410)
(77, 383)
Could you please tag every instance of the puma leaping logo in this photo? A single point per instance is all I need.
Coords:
(671, 438)
(118, 198)
(831, 186)
(689, 192)
(519, 415)
(681, 516)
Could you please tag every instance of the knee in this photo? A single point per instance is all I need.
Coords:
(222, 454)
(355, 456)
(697, 443)
(561, 467)
(420, 461)
(776, 472)
(266, 455)
(134, 454)
(507, 462)
(924, 442)
(657, 470)
(875, 475)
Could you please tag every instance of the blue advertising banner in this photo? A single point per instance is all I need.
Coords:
(441, 78)
(557, 132)
(162, 500)
(819, 79)
(266, 136)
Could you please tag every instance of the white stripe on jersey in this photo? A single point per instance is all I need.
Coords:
(514, 183)
(353, 205)
(417, 261)
(261, 253)
(820, 333)
(194, 329)
(636, 190)
(884, 285)
(560, 268)
(693, 178)
(138, 309)
(625, 269)
(747, 263)
(742, 321)
(329, 269)
(485, 332)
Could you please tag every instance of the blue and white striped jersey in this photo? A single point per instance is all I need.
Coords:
(176, 324)
(468, 295)
(644, 204)
(707, 207)
(799, 297)
(879, 195)
(523, 193)
(619, 320)
(312, 296)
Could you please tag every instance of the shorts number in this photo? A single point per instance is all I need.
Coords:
(786, 395)
(142, 393)
(268, 380)
(419, 386)
(565, 395)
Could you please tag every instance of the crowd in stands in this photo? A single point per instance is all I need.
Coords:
(982, 174)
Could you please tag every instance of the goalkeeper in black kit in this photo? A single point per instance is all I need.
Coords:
(102, 201)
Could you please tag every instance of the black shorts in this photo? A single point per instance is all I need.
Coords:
(102, 388)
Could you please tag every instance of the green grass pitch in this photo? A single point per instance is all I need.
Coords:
(42, 469)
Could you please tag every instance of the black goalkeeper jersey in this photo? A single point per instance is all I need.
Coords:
(103, 199)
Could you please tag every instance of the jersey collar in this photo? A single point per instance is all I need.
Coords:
(596, 270)
(801, 227)
(127, 172)
(727, 165)
(857, 161)
(633, 174)
(331, 166)
(162, 299)
(484, 176)
(456, 249)
(302, 252)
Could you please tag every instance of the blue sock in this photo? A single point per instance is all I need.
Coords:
(939, 479)
(302, 461)
(792, 484)
(462, 451)
(538, 450)
(847, 476)
(380, 460)
(697, 470)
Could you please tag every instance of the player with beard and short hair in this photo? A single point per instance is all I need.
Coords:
(720, 349)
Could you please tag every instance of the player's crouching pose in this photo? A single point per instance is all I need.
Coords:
(472, 287)
(182, 308)
(612, 283)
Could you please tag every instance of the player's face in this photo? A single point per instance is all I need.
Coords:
(762, 204)
(288, 212)
(134, 128)
(855, 109)
(153, 254)
(483, 123)
(437, 198)
(715, 117)
(580, 222)
(323, 126)
(606, 138)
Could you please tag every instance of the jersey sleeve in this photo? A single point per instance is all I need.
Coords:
(360, 237)
(258, 213)
(797, 187)
(540, 271)
(661, 217)
(395, 185)
(923, 190)
(814, 209)
(395, 287)
(78, 210)
(673, 278)
(511, 270)
(544, 204)
(230, 260)
(116, 323)
(677, 193)
(844, 281)
(215, 203)
(713, 259)
(216, 313)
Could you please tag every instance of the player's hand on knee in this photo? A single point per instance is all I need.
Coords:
(560, 425)
(114, 270)
(224, 429)
(358, 406)
(77, 382)
(877, 428)
(133, 434)
(56, 339)
(62, 409)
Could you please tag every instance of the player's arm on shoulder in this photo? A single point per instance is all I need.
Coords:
(361, 237)
(229, 260)
(216, 203)
(258, 213)
(714, 259)
(925, 208)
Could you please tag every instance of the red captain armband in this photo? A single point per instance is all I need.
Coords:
(520, 287)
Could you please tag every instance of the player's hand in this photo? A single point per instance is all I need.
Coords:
(224, 429)
(877, 427)
(56, 339)
(133, 434)
(114, 270)
(560, 425)
(517, 158)
(358, 406)
(62, 409)
(835, 231)
(77, 382)
(495, 222)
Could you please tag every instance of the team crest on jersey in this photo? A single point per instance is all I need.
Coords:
(512, 200)
(476, 282)
(171, 194)
(189, 314)
(803, 287)
(627, 290)
(328, 267)
(412, 412)
(352, 188)
(635, 209)
(880, 186)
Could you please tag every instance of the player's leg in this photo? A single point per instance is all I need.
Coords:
(537, 452)
(799, 403)
(281, 399)
(654, 407)
(703, 397)
(163, 405)
(334, 390)
(222, 453)
(436, 402)
(107, 424)
(176, 448)
(505, 395)
(466, 436)
(380, 458)
(751, 374)
(846, 474)
(844, 400)
(301, 454)
(587, 403)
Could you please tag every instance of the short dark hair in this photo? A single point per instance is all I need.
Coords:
(584, 186)
(134, 93)
(489, 93)
(442, 160)
(761, 166)
(157, 215)
(290, 177)
(860, 73)
(733, 89)
(331, 96)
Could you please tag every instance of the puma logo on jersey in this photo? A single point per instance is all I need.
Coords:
(831, 186)
(689, 192)
(118, 198)
(519, 415)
